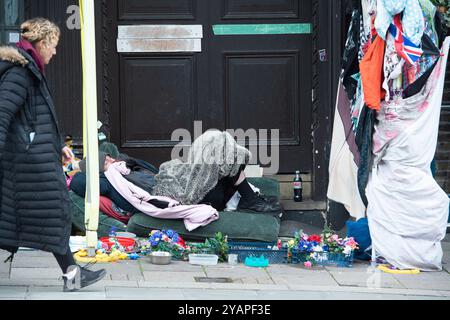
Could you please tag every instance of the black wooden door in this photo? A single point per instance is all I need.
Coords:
(244, 77)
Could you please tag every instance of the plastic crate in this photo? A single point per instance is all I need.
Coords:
(256, 249)
(324, 258)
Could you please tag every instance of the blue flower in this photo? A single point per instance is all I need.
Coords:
(154, 241)
(169, 233)
(157, 234)
(305, 246)
(175, 238)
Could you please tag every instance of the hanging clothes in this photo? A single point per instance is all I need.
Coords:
(412, 21)
(371, 68)
(404, 47)
(344, 159)
(350, 65)
(407, 210)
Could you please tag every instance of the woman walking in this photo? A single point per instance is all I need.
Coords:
(33, 194)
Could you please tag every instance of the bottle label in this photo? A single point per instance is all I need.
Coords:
(297, 185)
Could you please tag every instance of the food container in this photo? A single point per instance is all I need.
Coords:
(233, 259)
(127, 243)
(126, 235)
(160, 257)
(203, 259)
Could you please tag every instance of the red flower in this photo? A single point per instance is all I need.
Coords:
(181, 242)
(314, 238)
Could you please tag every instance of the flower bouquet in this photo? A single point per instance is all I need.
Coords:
(324, 249)
(217, 245)
(165, 240)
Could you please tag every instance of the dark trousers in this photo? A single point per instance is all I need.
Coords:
(222, 192)
(65, 260)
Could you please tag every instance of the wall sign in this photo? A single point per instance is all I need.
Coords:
(249, 29)
(160, 38)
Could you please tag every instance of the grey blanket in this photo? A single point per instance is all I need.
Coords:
(213, 155)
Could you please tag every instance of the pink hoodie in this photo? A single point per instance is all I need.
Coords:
(194, 215)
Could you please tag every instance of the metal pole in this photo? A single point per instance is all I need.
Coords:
(90, 138)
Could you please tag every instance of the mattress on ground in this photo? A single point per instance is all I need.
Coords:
(236, 225)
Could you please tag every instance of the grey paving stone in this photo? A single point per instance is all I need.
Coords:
(56, 293)
(250, 280)
(102, 284)
(426, 280)
(290, 295)
(31, 282)
(121, 277)
(244, 272)
(13, 292)
(144, 293)
(218, 294)
(32, 253)
(242, 286)
(301, 276)
(134, 277)
(36, 273)
(158, 276)
(120, 268)
(372, 278)
(174, 266)
(4, 269)
(295, 270)
(21, 261)
(356, 267)
(265, 281)
(190, 285)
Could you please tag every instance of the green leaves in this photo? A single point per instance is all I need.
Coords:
(218, 245)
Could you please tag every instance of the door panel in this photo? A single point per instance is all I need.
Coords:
(156, 9)
(245, 81)
(262, 80)
(260, 9)
(276, 86)
(158, 95)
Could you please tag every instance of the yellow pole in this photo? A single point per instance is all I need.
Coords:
(90, 142)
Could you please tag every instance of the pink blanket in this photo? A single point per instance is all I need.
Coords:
(194, 216)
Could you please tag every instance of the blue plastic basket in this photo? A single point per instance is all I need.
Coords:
(325, 258)
(256, 249)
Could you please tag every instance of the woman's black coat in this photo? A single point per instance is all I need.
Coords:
(33, 196)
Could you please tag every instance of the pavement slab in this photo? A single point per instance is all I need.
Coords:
(49, 293)
(36, 273)
(246, 274)
(23, 261)
(144, 294)
(426, 280)
(174, 266)
(372, 278)
(219, 294)
(159, 276)
(7, 292)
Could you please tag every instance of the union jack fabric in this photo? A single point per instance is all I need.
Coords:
(405, 48)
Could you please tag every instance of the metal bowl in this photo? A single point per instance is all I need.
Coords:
(160, 257)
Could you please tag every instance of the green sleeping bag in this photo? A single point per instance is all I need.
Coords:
(236, 225)
(105, 223)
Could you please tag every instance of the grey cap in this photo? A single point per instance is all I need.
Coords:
(101, 162)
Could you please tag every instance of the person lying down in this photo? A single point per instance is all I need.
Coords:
(211, 176)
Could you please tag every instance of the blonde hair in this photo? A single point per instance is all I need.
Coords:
(37, 29)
